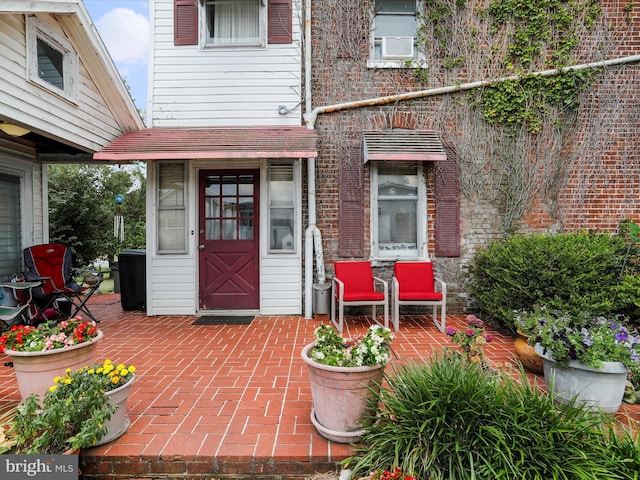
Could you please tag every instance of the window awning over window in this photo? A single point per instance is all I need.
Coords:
(403, 145)
(183, 143)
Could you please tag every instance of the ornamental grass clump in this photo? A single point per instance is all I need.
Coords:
(373, 348)
(448, 419)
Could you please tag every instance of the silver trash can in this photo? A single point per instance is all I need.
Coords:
(321, 298)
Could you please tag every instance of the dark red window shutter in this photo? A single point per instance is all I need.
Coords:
(185, 22)
(447, 206)
(280, 21)
(351, 212)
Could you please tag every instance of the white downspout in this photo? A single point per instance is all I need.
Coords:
(312, 234)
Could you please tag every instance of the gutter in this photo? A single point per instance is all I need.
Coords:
(311, 117)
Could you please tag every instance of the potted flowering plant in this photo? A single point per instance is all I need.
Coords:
(526, 324)
(393, 474)
(76, 412)
(471, 340)
(592, 349)
(39, 354)
(345, 376)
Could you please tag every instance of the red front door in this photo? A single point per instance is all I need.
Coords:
(228, 248)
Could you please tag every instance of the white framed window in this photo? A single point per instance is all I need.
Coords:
(52, 62)
(394, 34)
(398, 211)
(172, 210)
(282, 207)
(231, 23)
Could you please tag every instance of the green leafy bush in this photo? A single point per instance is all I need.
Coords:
(574, 272)
(446, 419)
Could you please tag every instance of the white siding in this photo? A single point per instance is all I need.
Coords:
(172, 289)
(87, 125)
(281, 288)
(172, 280)
(194, 86)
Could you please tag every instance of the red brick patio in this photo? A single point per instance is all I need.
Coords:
(226, 401)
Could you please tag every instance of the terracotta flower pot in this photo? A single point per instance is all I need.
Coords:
(119, 423)
(341, 397)
(35, 371)
(596, 388)
(527, 354)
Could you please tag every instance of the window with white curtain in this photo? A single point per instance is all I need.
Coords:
(398, 210)
(235, 22)
(172, 211)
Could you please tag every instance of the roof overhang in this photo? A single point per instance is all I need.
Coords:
(403, 145)
(184, 143)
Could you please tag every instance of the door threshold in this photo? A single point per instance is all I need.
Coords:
(228, 313)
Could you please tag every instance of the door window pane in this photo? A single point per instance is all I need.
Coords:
(229, 208)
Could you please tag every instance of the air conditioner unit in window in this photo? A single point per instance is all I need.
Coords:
(397, 48)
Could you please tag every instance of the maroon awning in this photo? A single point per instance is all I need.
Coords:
(403, 145)
(183, 143)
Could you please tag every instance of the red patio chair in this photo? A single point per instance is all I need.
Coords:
(354, 284)
(413, 283)
(51, 265)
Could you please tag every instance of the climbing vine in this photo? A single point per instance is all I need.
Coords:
(516, 156)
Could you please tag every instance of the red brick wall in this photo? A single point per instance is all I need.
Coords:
(599, 182)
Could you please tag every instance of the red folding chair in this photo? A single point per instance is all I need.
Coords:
(51, 264)
(414, 284)
(354, 284)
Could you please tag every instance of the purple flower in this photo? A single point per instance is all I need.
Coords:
(451, 331)
(470, 332)
(622, 335)
(474, 321)
(489, 337)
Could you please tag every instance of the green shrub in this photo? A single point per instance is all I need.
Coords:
(574, 272)
(449, 420)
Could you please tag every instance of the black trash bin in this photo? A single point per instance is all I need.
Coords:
(132, 265)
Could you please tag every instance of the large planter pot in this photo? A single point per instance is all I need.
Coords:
(527, 354)
(341, 398)
(119, 423)
(35, 371)
(597, 388)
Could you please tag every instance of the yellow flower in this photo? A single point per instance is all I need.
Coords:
(132, 369)
(120, 367)
(57, 380)
(115, 379)
(52, 388)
